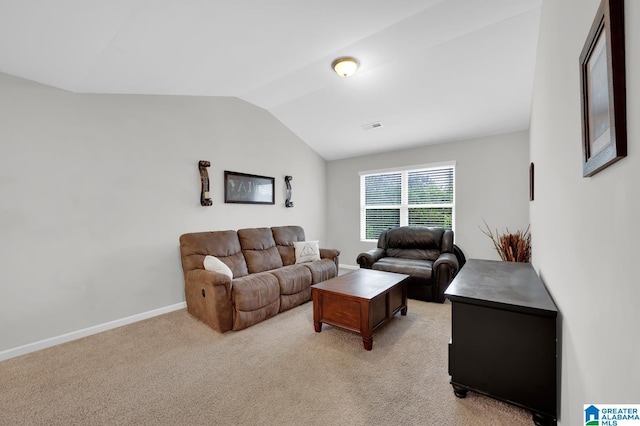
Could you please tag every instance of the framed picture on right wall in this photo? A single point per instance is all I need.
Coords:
(603, 97)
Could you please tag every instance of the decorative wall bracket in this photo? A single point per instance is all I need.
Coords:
(287, 181)
(205, 199)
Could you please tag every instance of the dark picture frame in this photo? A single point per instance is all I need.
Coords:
(244, 188)
(531, 181)
(603, 97)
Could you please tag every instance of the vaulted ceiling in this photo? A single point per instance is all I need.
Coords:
(431, 71)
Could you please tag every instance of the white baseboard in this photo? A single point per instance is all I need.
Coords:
(349, 266)
(74, 335)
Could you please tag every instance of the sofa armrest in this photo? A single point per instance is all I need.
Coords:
(214, 279)
(445, 269)
(368, 258)
(208, 297)
(331, 254)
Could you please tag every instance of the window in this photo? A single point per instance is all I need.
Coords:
(416, 196)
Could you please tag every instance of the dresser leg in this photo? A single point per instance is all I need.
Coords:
(540, 420)
(459, 392)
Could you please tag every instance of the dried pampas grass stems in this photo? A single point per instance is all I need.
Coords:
(512, 247)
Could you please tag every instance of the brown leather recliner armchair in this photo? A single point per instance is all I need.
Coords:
(426, 254)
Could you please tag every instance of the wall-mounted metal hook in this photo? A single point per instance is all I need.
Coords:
(287, 181)
(205, 199)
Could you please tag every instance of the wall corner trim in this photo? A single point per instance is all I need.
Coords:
(78, 334)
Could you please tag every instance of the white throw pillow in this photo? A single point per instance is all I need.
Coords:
(306, 251)
(214, 264)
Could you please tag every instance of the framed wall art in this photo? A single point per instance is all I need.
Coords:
(244, 188)
(603, 97)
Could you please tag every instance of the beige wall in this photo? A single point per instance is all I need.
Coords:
(492, 176)
(96, 190)
(586, 231)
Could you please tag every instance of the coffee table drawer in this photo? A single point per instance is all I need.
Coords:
(340, 311)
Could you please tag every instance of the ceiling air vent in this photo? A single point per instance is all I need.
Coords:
(370, 126)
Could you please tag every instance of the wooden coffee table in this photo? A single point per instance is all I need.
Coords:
(360, 301)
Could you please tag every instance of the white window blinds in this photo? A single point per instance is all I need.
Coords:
(418, 197)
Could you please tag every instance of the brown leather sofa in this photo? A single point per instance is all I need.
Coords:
(266, 279)
(426, 254)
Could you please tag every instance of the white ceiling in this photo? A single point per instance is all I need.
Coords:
(431, 70)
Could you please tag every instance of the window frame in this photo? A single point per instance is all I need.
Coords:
(404, 206)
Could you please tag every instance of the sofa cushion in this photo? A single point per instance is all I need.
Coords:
(224, 245)
(212, 263)
(307, 251)
(284, 237)
(255, 291)
(416, 268)
(416, 254)
(259, 249)
(413, 242)
(321, 270)
(244, 319)
(295, 285)
(256, 297)
(293, 278)
(288, 301)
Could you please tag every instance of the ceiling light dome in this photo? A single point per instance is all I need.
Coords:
(345, 66)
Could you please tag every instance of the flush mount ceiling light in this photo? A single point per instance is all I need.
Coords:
(345, 66)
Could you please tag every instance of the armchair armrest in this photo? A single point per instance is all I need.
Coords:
(445, 269)
(449, 259)
(368, 258)
(332, 254)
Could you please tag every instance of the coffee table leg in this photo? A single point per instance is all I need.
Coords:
(365, 324)
(368, 342)
(317, 310)
(404, 298)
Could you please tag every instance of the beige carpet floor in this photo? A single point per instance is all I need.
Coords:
(174, 370)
